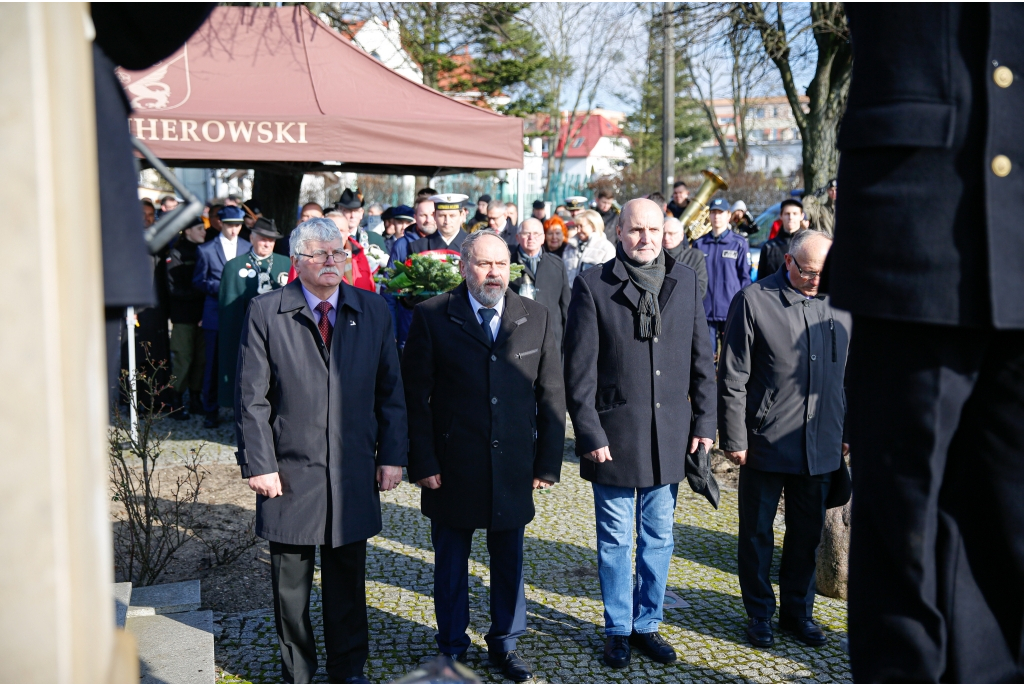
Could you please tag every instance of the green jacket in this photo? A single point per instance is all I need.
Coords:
(237, 288)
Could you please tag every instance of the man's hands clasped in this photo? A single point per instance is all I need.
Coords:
(269, 484)
(434, 482)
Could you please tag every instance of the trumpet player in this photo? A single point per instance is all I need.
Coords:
(727, 258)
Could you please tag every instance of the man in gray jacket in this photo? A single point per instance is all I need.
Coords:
(781, 413)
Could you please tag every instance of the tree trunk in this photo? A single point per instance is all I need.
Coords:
(821, 156)
(278, 193)
(834, 553)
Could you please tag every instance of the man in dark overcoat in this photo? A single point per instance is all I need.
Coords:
(486, 427)
(321, 425)
(544, 276)
(640, 384)
(929, 258)
(781, 415)
(213, 255)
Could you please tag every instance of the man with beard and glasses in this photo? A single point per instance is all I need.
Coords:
(321, 428)
(483, 386)
(640, 383)
(674, 242)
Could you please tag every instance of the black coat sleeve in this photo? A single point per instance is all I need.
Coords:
(256, 454)
(550, 394)
(389, 402)
(581, 351)
(418, 378)
(703, 402)
(734, 368)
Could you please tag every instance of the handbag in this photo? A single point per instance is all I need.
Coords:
(840, 488)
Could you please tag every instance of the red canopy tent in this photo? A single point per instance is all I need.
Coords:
(273, 87)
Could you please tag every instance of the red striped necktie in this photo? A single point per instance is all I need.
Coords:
(325, 323)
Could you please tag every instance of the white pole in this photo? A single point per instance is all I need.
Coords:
(133, 399)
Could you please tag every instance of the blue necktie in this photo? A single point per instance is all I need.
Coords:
(486, 314)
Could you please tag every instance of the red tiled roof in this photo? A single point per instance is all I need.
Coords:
(587, 131)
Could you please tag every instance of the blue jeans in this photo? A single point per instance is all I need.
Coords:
(632, 607)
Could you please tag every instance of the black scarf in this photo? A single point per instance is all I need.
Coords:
(648, 279)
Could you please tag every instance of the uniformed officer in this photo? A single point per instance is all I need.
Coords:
(448, 216)
(931, 265)
(726, 256)
(250, 274)
(575, 204)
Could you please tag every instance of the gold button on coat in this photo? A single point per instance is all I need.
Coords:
(1001, 166)
(1003, 77)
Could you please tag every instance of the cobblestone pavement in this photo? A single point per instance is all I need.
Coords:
(564, 609)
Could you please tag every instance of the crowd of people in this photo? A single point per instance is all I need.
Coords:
(617, 319)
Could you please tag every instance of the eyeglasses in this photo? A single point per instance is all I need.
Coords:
(810, 275)
(320, 257)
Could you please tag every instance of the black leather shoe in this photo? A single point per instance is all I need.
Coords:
(212, 420)
(654, 646)
(803, 629)
(617, 651)
(461, 658)
(513, 666)
(759, 632)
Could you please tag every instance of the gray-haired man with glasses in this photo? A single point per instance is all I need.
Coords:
(321, 427)
(781, 417)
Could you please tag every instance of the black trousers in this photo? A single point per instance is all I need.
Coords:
(210, 404)
(343, 583)
(759, 493)
(936, 424)
(451, 588)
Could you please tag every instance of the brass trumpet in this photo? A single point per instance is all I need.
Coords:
(695, 218)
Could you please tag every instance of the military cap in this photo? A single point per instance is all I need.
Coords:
(576, 202)
(449, 200)
(266, 228)
(719, 204)
(403, 212)
(350, 200)
(231, 215)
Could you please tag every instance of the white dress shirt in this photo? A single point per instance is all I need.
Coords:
(496, 321)
(313, 301)
(230, 247)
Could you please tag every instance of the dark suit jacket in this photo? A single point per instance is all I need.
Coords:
(552, 285)
(488, 419)
(325, 419)
(644, 399)
(434, 241)
(925, 230)
(206, 278)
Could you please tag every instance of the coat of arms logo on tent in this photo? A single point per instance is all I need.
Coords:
(164, 86)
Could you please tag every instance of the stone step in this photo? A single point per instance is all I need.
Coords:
(169, 598)
(122, 598)
(175, 648)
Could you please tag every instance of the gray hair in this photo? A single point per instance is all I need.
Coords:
(496, 204)
(798, 243)
(531, 221)
(321, 230)
(472, 239)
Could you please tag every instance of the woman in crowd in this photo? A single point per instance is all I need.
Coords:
(555, 236)
(589, 247)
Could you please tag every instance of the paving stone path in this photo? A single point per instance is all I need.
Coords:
(564, 607)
